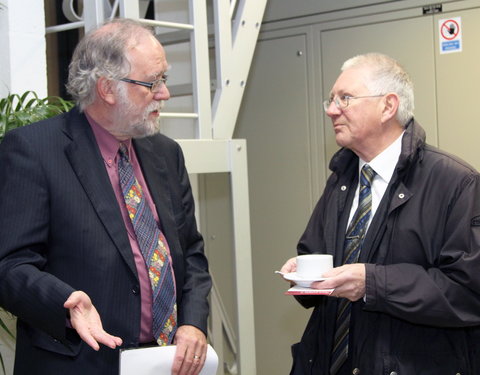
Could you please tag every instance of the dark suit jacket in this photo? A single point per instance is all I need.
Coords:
(61, 230)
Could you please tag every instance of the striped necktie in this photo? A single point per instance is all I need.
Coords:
(154, 248)
(351, 251)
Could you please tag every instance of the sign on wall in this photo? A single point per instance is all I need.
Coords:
(450, 34)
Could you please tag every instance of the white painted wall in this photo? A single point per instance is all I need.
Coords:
(23, 46)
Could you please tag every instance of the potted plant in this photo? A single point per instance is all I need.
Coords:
(16, 111)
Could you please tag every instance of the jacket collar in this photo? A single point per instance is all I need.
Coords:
(413, 143)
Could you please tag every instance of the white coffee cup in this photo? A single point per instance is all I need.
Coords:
(312, 266)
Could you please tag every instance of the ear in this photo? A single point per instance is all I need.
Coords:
(390, 107)
(105, 91)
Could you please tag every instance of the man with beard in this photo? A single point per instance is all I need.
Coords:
(99, 248)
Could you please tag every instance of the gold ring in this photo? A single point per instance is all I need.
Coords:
(196, 357)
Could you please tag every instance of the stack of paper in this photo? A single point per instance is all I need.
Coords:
(158, 360)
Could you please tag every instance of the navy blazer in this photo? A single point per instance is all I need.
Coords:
(62, 231)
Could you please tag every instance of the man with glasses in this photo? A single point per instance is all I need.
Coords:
(402, 220)
(99, 248)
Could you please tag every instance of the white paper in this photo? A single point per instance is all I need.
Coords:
(158, 360)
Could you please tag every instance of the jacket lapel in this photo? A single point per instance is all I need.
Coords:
(86, 160)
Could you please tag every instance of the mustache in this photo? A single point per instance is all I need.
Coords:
(156, 106)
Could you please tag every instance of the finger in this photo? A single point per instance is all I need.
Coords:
(86, 336)
(77, 298)
(193, 361)
(198, 364)
(289, 266)
(318, 285)
(188, 362)
(333, 272)
(180, 355)
(71, 302)
(199, 356)
(94, 337)
(329, 283)
(107, 339)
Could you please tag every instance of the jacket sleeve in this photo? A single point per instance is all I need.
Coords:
(25, 289)
(438, 281)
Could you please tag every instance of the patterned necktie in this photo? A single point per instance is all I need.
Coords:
(352, 246)
(153, 245)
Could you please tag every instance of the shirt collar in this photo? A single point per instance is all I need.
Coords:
(384, 163)
(106, 142)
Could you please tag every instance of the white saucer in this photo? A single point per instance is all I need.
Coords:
(292, 276)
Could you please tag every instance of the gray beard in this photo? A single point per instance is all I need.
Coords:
(143, 127)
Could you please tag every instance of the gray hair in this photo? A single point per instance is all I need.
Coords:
(102, 53)
(386, 75)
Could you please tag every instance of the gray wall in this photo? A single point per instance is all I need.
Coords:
(290, 140)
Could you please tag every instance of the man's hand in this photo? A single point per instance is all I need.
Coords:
(191, 351)
(86, 321)
(289, 266)
(348, 281)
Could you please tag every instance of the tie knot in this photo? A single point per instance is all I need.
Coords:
(123, 151)
(367, 175)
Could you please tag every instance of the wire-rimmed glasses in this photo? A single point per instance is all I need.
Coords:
(342, 101)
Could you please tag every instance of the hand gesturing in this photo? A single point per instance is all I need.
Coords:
(86, 321)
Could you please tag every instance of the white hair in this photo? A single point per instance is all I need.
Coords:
(102, 53)
(386, 75)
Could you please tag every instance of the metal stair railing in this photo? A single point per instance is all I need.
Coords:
(220, 329)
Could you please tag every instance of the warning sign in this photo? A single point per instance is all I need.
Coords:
(450, 33)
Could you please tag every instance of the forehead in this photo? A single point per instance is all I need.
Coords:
(351, 81)
(147, 56)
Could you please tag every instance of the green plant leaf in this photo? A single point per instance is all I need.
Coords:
(19, 110)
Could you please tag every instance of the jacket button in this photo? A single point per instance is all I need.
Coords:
(343, 188)
(356, 371)
(393, 373)
(401, 195)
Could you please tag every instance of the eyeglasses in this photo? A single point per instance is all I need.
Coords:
(154, 86)
(342, 102)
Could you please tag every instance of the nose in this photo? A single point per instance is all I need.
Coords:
(162, 94)
(332, 109)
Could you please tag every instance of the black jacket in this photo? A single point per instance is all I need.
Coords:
(62, 230)
(422, 255)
